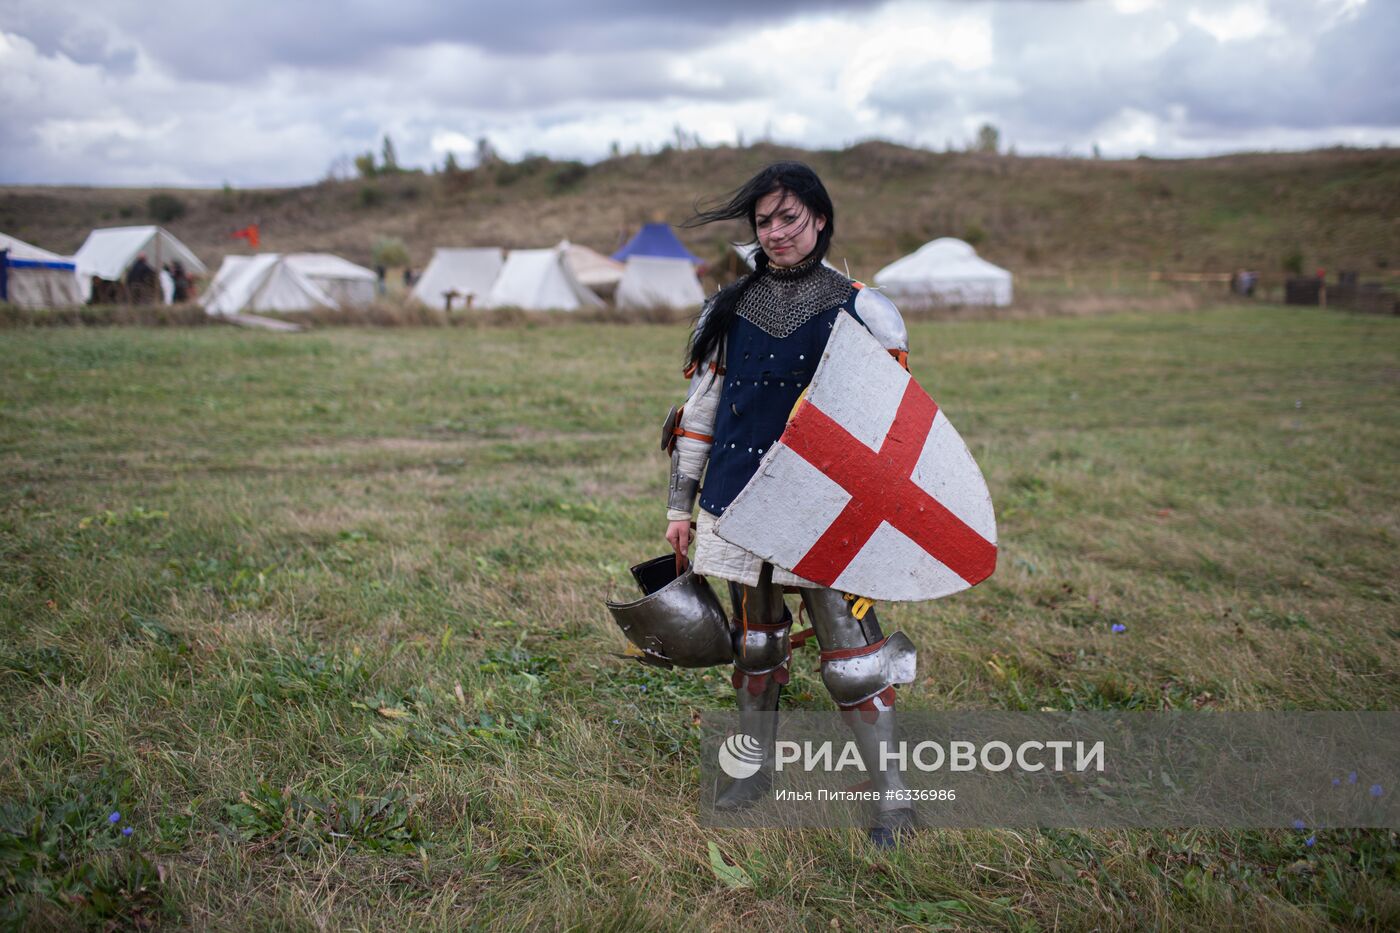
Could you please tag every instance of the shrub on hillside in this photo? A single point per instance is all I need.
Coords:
(460, 180)
(568, 176)
(389, 251)
(508, 173)
(164, 208)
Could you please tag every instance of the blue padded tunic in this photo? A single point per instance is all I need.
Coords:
(764, 375)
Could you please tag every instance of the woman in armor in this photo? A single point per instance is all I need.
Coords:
(754, 349)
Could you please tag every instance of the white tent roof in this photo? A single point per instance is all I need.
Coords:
(469, 272)
(539, 280)
(108, 252)
(330, 266)
(344, 282)
(656, 282)
(266, 282)
(945, 271)
(591, 267)
(21, 250)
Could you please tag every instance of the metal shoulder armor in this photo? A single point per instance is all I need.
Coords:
(882, 319)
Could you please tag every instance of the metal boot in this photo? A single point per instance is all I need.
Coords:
(860, 666)
(761, 654)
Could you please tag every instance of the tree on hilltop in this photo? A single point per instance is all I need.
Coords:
(390, 158)
(988, 139)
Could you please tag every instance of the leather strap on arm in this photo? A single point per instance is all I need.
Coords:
(689, 370)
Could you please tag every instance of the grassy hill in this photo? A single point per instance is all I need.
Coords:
(1338, 209)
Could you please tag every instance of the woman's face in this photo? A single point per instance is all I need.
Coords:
(787, 230)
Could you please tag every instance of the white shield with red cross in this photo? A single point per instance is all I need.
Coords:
(870, 490)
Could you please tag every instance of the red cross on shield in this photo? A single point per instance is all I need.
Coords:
(870, 490)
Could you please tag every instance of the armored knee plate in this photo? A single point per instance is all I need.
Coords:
(761, 655)
(854, 676)
(763, 647)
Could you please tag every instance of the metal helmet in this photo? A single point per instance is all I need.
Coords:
(678, 621)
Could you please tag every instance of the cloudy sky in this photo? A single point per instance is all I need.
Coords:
(260, 92)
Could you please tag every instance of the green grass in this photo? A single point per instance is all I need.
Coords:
(321, 617)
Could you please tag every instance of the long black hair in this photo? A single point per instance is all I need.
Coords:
(802, 183)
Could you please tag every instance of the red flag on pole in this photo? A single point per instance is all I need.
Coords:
(249, 233)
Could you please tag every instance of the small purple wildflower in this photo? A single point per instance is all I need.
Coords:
(126, 830)
(1119, 628)
(1299, 825)
(115, 817)
(1376, 790)
(1310, 840)
(1336, 782)
(1351, 778)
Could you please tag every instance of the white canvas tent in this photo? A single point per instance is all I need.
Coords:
(469, 273)
(539, 280)
(654, 282)
(346, 283)
(600, 273)
(292, 282)
(37, 278)
(266, 282)
(944, 272)
(109, 252)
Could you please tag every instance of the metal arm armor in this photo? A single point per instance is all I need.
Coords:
(681, 490)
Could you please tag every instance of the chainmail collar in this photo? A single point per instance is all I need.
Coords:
(791, 273)
(781, 300)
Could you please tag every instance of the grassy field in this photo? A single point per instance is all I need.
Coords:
(321, 618)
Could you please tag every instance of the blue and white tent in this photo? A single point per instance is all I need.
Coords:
(657, 282)
(656, 240)
(36, 278)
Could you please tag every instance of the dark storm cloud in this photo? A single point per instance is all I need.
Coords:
(450, 78)
(1349, 74)
(1062, 80)
(85, 39)
(134, 92)
(229, 43)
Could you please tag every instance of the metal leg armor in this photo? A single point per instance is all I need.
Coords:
(762, 652)
(860, 666)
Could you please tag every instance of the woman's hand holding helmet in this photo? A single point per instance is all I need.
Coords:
(678, 534)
